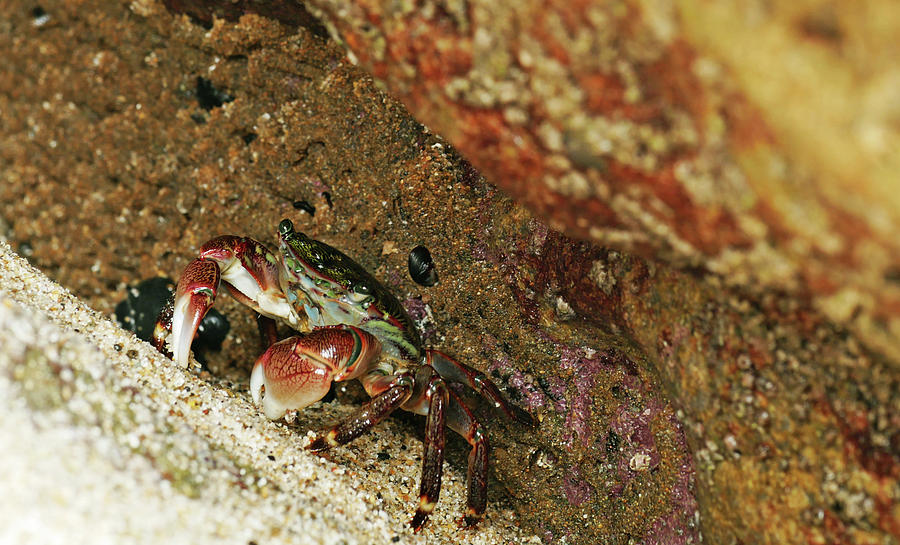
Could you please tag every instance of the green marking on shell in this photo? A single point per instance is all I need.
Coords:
(385, 330)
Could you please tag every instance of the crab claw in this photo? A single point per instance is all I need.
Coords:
(291, 379)
(298, 371)
(194, 296)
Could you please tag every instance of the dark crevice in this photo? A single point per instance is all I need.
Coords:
(305, 206)
(289, 13)
(209, 96)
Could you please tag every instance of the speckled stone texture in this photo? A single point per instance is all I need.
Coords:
(675, 405)
(756, 140)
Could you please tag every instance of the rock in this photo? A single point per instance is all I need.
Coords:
(704, 383)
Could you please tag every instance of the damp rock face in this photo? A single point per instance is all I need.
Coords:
(674, 404)
(649, 129)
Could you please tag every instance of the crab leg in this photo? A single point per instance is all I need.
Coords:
(368, 416)
(455, 371)
(461, 420)
(298, 371)
(268, 332)
(431, 400)
(249, 272)
(433, 457)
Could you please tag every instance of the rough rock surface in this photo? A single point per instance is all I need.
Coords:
(670, 399)
(756, 140)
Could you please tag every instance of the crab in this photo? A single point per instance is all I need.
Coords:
(354, 328)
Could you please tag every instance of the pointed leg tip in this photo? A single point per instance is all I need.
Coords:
(317, 445)
(469, 520)
(418, 521)
(322, 442)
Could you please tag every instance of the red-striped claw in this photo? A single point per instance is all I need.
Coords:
(194, 296)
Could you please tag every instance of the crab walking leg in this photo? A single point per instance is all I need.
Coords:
(433, 457)
(461, 420)
(455, 371)
(298, 371)
(370, 414)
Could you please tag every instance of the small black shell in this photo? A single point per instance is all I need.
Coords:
(305, 206)
(421, 266)
(140, 308)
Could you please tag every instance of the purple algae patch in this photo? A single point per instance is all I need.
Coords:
(577, 490)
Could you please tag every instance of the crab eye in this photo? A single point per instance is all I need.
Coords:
(285, 227)
(361, 288)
